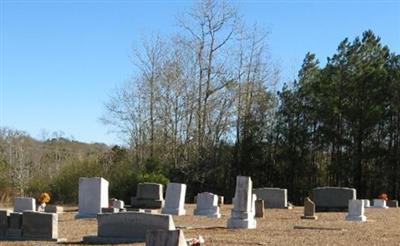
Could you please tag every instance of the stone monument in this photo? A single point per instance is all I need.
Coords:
(356, 211)
(309, 210)
(175, 199)
(148, 195)
(379, 203)
(24, 204)
(93, 195)
(207, 205)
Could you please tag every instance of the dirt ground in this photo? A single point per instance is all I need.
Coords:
(277, 228)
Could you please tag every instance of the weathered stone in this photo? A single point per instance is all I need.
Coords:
(148, 195)
(53, 209)
(242, 214)
(14, 230)
(356, 211)
(128, 227)
(392, 203)
(40, 226)
(333, 198)
(175, 199)
(93, 195)
(165, 238)
(273, 197)
(259, 205)
(309, 210)
(207, 205)
(379, 203)
(24, 204)
(3, 222)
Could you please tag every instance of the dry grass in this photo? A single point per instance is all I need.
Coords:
(382, 228)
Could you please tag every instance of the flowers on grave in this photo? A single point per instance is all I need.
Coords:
(44, 198)
(383, 196)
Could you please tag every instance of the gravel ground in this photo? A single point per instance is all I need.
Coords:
(277, 228)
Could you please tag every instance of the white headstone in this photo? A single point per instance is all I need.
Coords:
(366, 203)
(175, 199)
(356, 211)
(243, 212)
(380, 203)
(207, 205)
(24, 204)
(93, 195)
(118, 204)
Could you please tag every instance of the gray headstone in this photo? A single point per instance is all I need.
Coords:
(309, 210)
(207, 205)
(165, 238)
(175, 199)
(24, 204)
(3, 222)
(148, 195)
(93, 195)
(118, 204)
(128, 227)
(38, 225)
(242, 214)
(273, 197)
(380, 203)
(333, 198)
(356, 211)
(392, 203)
(259, 205)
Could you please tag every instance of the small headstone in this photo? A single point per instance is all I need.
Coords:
(14, 230)
(24, 204)
(242, 214)
(207, 205)
(148, 195)
(175, 199)
(128, 227)
(356, 211)
(118, 204)
(93, 195)
(392, 203)
(332, 198)
(380, 203)
(273, 197)
(309, 210)
(165, 238)
(3, 222)
(50, 208)
(259, 205)
(367, 203)
(40, 226)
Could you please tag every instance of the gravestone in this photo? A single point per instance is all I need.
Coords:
(356, 211)
(24, 204)
(273, 197)
(220, 200)
(165, 238)
(40, 226)
(392, 203)
(242, 214)
(367, 203)
(259, 207)
(332, 198)
(3, 222)
(207, 205)
(309, 210)
(53, 209)
(379, 203)
(93, 195)
(128, 227)
(148, 195)
(175, 199)
(118, 204)
(14, 230)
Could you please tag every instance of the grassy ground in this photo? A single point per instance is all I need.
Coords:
(277, 228)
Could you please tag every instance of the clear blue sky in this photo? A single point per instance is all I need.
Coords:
(60, 60)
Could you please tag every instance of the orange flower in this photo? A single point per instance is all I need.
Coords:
(383, 196)
(44, 198)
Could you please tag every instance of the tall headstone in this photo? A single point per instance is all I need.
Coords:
(273, 197)
(259, 207)
(207, 205)
(380, 203)
(165, 238)
(356, 211)
(128, 227)
(40, 226)
(332, 198)
(93, 195)
(24, 204)
(148, 195)
(175, 199)
(242, 214)
(309, 210)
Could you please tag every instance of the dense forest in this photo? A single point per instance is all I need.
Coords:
(203, 108)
